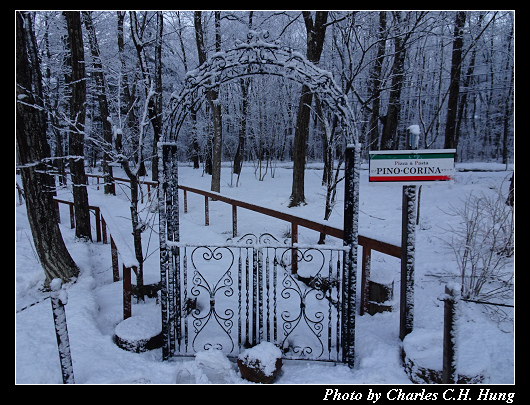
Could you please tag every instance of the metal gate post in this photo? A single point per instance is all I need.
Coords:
(168, 231)
(351, 233)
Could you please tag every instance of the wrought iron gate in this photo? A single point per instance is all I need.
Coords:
(233, 296)
(194, 296)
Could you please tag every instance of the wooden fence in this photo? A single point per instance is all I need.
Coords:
(367, 243)
(107, 230)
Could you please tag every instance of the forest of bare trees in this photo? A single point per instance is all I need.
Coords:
(105, 78)
(449, 72)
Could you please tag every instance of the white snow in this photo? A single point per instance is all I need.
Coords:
(94, 306)
(263, 356)
(139, 327)
(414, 129)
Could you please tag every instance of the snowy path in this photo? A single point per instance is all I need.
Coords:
(94, 306)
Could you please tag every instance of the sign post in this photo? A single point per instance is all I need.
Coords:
(408, 254)
(410, 167)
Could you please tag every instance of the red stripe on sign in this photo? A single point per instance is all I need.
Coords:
(409, 178)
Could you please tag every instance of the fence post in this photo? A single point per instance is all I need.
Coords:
(72, 216)
(114, 257)
(59, 300)
(408, 247)
(57, 211)
(351, 235)
(365, 278)
(127, 292)
(104, 230)
(234, 220)
(294, 252)
(449, 370)
(97, 213)
(206, 212)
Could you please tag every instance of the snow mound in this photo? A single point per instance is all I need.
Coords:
(414, 129)
(209, 367)
(425, 347)
(213, 359)
(139, 327)
(263, 356)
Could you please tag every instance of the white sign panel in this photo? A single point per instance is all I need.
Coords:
(412, 165)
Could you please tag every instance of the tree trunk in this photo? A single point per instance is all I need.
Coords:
(77, 124)
(156, 121)
(52, 100)
(316, 32)
(376, 83)
(462, 104)
(403, 34)
(217, 144)
(454, 85)
(32, 150)
(508, 103)
(213, 99)
(129, 95)
(244, 83)
(102, 102)
(137, 232)
(388, 136)
(153, 89)
(201, 52)
(240, 152)
(194, 147)
(137, 226)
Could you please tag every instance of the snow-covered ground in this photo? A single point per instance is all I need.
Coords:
(95, 303)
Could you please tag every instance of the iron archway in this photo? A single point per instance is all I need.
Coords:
(256, 57)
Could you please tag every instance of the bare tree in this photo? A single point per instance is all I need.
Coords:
(454, 85)
(402, 36)
(77, 124)
(129, 92)
(102, 100)
(316, 31)
(483, 245)
(213, 98)
(33, 153)
(244, 83)
(376, 83)
(152, 87)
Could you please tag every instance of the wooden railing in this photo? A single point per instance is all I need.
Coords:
(367, 243)
(149, 184)
(105, 226)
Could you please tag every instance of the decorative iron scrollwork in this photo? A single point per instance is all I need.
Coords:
(262, 239)
(235, 296)
(207, 285)
(310, 317)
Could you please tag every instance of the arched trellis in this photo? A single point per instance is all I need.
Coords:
(255, 57)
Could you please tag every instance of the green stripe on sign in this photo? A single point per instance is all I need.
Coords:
(415, 156)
